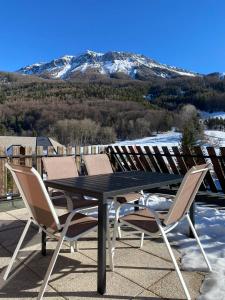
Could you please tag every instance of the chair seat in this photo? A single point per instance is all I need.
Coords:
(144, 220)
(79, 224)
(61, 202)
(130, 197)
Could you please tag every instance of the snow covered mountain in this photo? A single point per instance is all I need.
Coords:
(107, 64)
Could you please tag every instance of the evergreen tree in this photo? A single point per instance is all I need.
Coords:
(191, 128)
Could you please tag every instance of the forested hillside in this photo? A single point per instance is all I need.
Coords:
(90, 110)
(206, 92)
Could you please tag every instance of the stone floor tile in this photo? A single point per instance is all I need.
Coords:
(153, 246)
(9, 238)
(170, 287)
(51, 294)
(7, 222)
(21, 214)
(14, 287)
(21, 284)
(75, 277)
(88, 246)
(140, 267)
(5, 257)
(83, 286)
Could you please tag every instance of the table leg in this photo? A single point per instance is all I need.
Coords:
(136, 208)
(102, 222)
(43, 243)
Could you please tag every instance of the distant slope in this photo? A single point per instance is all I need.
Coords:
(10, 77)
(110, 64)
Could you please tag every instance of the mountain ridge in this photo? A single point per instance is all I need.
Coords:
(134, 66)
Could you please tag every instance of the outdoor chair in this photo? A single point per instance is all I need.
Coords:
(155, 224)
(60, 168)
(67, 227)
(100, 164)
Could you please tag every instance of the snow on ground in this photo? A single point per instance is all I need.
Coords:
(216, 134)
(172, 138)
(215, 137)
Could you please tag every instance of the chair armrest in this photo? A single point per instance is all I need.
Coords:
(69, 219)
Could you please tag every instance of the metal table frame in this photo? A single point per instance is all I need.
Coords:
(107, 185)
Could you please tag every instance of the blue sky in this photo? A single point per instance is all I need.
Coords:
(183, 33)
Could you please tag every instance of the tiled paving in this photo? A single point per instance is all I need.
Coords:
(145, 273)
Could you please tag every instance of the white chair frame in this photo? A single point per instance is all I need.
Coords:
(164, 229)
(62, 236)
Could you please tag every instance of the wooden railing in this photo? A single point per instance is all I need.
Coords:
(125, 158)
(172, 160)
(31, 158)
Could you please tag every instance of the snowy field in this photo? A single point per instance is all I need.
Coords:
(215, 137)
(172, 138)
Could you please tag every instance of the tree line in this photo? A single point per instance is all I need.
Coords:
(98, 112)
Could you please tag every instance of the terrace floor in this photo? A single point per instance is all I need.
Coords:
(145, 273)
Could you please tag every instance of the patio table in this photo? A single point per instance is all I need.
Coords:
(107, 185)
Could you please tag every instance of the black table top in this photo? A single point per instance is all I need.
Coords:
(107, 185)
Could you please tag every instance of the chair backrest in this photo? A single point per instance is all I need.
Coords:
(35, 195)
(60, 167)
(97, 164)
(186, 193)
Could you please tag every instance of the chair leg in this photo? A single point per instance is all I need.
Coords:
(199, 243)
(113, 247)
(43, 242)
(76, 245)
(119, 232)
(115, 231)
(175, 263)
(142, 239)
(71, 247)
(109, 245)
(143, 198)
(116, 205)
(17, 249)
(50, 268)
(142, 235)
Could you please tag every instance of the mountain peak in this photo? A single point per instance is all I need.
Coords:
(93, 53)
(135, 66)
(66, 57)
